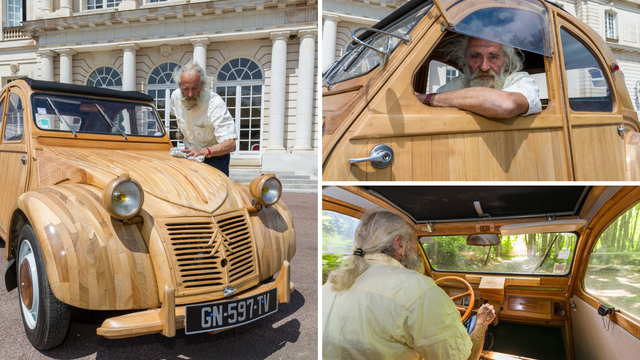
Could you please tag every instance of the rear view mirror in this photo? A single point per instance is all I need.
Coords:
(483, 240)
(427, 240)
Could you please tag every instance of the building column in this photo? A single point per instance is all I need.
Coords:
(278, 91)
(46, 64)
(129, 66)
(46, 6)
(306, 76)
(66, 65)
(66, 8)
(200, 51)
(329, 33)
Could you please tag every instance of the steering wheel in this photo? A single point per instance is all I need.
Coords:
(467, 310)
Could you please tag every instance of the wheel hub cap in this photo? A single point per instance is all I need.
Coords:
(26, 284)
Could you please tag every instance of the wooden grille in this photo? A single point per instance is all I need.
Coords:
(210, 253)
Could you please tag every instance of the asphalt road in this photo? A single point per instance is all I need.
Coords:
(291, 333)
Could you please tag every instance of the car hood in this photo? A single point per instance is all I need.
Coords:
(176, 180)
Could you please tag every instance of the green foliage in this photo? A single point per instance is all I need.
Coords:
(330, 263)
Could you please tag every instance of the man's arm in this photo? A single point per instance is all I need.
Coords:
(484, 101)
(224, 147)
(484, 318)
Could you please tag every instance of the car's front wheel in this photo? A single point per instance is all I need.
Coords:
(46, 319)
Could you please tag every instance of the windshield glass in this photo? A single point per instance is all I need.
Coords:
(523, 24)
(82, 114)
(359, 60)
(550, 253)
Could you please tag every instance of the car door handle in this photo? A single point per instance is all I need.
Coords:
(381, 156)
(621, 130)
(24, 160)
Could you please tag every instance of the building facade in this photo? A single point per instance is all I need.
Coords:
(261, 57)
(617, 21)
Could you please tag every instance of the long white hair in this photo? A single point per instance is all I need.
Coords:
(376, 234)
(456, 50)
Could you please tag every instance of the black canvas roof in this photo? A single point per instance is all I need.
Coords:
(456, 203)
(86, 90)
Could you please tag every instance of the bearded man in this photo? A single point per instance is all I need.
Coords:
(378, 306)
(206, 126)
(492, 84)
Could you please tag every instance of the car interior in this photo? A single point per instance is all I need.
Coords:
(527, 250)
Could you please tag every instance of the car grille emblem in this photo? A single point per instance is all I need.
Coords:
(229, 290)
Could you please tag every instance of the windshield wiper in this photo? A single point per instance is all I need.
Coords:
(106, 118)
(545, 255)
(486, 259)
(61, 118)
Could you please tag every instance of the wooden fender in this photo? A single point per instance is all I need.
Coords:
(92, 260)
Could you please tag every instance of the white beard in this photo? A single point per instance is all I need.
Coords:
(192, 103)
(496, 82)
(412, 260)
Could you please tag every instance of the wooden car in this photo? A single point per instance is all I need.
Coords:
(96, 214)
(559, 264)
(376, 129)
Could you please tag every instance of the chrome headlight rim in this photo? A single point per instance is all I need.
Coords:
(257, 186)
(107, 196)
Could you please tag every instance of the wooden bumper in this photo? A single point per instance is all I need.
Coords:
(169, 317)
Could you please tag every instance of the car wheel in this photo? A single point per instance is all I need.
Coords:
(46, 319)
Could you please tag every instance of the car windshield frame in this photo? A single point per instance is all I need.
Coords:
(567, 272)
(357, 54)
(97, 115)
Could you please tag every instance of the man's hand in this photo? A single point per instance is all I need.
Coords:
(195, 152)
(486, 314)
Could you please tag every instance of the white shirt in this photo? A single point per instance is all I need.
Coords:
(391, 313)
(207, 124)
(519, 82)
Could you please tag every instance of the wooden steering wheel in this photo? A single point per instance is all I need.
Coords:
(467, 310)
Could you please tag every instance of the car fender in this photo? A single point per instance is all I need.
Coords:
(274, 235)
(92, 260)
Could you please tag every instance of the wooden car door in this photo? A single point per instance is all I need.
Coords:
(592, 105)
(14, 158)
(608, 275)
(447, 144)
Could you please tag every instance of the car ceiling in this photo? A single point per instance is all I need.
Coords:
(456, 203)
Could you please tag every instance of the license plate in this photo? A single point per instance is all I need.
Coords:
(222, 315)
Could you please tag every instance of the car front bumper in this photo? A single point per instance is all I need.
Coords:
(169, 317)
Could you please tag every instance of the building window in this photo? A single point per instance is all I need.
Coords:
(155, 1)
(101, 4)
(14, 13)
(610, 25)
(160, 86)
(106, 77)
(240, 84)
(452, 73)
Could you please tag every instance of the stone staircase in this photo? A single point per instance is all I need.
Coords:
(291, 181)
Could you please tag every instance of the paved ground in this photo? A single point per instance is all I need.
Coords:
(291, 333)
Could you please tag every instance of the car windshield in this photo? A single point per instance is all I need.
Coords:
(523, 24)
(96, 116)
(359, 60)
(548, 253)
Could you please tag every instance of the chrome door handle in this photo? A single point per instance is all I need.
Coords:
(621, 130)
(381, 156)
(24, 160)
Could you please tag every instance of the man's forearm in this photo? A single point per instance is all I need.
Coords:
(224, 147)
(484, 101)
(477, 339)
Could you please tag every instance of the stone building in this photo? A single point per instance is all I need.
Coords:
(617, 21)
(261, 55)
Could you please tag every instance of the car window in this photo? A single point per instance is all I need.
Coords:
(14, 127)
(548, 253)
(89, 115)
(613, 273)
(338, 235)
(1, 112)
(587, 86)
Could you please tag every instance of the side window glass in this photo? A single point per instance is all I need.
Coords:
(613, 272)
(1, 112)
(338, 236)
(586, 84)
(15, 119)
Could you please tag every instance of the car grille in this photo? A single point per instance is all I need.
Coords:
(209, 253)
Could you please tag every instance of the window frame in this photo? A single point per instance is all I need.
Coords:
(102, 4)
(21, 14)
(99, 76)
(610, 25)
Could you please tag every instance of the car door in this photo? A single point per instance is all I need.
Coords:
(609, 274)
(14, 157)
(447, 144)
(592, 105)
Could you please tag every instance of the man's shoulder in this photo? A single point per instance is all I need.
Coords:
(399, 284)
(516, 77)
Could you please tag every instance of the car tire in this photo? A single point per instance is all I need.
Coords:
(46, 319)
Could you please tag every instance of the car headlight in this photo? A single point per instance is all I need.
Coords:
(123, 197)
(266, 189)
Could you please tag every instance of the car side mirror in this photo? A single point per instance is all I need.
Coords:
(483, 240)
(385, 52)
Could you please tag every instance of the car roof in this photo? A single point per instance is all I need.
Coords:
(86, 90)
(456, 203)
